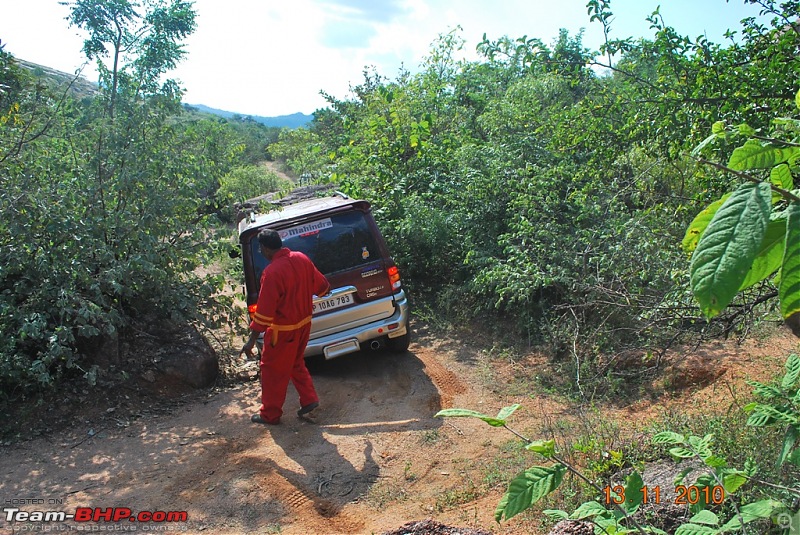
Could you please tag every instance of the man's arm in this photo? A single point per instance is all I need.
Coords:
(265, 312)
(321, 285)
(247, 349)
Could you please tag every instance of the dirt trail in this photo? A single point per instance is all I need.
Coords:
(232, 476)
(276, 168)
(374, 460)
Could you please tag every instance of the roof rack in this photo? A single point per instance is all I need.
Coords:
(277, 200)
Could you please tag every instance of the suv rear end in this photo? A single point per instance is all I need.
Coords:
(367, 306)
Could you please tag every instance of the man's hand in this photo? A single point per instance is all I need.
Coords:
(247, 349)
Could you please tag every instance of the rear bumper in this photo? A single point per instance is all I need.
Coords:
(363, 333)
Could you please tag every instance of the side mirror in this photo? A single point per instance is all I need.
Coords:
(235, 253)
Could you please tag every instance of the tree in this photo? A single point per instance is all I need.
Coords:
(104, 219)
(141, 47)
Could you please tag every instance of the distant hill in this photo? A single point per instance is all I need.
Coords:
(295, 120)
(81, 87)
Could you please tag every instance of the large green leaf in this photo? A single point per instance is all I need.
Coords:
(765, 391)
(781, 414)
(789, 289)
(695, 529)
(792, 371)
(633, 492)
(729, 245)
(466, 413)
(759, 419)
(705, 517)
(702, 446)
(452, 413)
(556, 514)
(769, 257)
(700, 223)
(757, 155)
(528, 488)
(494, 421)
(752, 511)
(682, 453)
(781, 176)
(588, 510)
(733, 480)
(669, 437)
(703, 481)
(546, 448)
(505, 412)
(715, 461)
(789, 440)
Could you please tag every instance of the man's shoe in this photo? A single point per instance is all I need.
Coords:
(257, 419)
(308, 408)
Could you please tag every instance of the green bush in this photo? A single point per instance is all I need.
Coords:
(246, 182)
(105, 206)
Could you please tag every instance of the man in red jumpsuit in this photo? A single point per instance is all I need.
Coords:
(283, 314)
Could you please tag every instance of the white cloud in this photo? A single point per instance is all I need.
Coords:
(272, 58)
(368, 10)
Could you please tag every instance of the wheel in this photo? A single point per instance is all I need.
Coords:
(401, 343)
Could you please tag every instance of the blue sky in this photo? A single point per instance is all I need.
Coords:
(273, 57)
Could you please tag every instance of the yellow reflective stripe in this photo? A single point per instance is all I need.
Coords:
(292, 327)
(261, 319)
(276, 328)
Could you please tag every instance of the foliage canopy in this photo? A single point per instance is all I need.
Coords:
(547, 187)
(109, 202)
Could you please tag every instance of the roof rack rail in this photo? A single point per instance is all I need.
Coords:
(250, 207)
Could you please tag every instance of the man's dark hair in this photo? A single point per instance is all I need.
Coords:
(270, 239)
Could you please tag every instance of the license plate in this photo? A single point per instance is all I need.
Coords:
(332, 303)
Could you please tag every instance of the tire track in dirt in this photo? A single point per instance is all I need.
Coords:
(300, 502)
(447, 383)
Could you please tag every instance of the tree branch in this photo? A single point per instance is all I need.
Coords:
(786, 194)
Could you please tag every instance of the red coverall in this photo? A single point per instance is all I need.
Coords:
(284, 315)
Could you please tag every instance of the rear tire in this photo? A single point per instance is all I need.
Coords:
(401, 343)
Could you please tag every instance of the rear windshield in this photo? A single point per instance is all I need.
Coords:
(336, 243)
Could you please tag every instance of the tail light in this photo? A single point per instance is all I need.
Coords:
(252, 310)
(394, 277)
